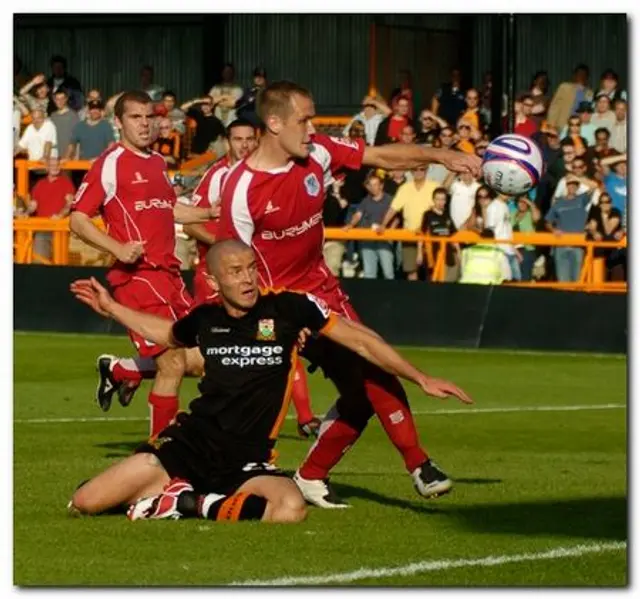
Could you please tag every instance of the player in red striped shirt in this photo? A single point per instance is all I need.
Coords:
(273, 201)
(242, 139)
(129, 186)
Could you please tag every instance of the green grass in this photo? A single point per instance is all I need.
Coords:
(526, 481)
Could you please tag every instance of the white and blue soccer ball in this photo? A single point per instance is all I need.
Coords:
(512, 164)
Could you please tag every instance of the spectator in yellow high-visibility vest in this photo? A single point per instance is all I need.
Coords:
(483, 263)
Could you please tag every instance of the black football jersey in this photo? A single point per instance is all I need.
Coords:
(249, 361)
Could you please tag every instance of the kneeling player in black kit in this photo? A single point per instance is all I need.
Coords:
(216, 462)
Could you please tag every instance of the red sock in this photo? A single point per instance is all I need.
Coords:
(163, 409)
(300, 395)
(396, 418)
(133, 370)
(336, 437)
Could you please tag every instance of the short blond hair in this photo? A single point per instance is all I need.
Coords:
(275, 99)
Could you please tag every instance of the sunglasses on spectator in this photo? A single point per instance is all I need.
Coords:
(605, 201)
(461, 127)
(574, 124)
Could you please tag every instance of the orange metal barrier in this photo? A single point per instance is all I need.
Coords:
(591, 276)
(23, 167)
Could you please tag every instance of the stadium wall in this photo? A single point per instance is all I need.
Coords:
(405, 313)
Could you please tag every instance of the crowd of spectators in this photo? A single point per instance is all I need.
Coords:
(582, 134)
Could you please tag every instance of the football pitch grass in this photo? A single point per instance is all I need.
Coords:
(538, 463)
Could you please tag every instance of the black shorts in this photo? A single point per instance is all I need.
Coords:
(188, 449)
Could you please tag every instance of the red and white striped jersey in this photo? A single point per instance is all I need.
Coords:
(205, 195)
(133, 194)
(279, 213)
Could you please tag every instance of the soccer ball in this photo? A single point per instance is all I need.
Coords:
(512, 164)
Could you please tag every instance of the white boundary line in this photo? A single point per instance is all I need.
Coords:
(576, 408)
(435, 566)
(420, 348)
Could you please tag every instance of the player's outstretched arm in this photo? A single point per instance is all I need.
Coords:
(409, 156)
(191, 215)
(153, 328)
(199, 233)
(376, 350)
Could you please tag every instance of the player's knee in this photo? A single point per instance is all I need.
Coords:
(84, 502)
(171, 364)
(292, 508)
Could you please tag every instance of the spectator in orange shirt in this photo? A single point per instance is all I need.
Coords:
(168, 143)
(51, 198)
(465, 137)
(472, 112)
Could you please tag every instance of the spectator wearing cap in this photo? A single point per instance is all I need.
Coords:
(619, 127)
(577, 168)
(569, 96)
(587, 129)
(603, 115)
(523, 123)
(225, 95)
(172, 112)
(60, 79)
(246, 105)
(93, 136)
(568, 215)
(615, 181)
(609, 85)
(374, 111)
(390, 129)
(449, 101)
(92, 95)
(64, 120)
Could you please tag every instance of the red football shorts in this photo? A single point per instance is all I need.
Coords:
(203, 293)
(154, 292)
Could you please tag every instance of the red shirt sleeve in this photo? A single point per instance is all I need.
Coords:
(91, 193)
(238, 215)
(343, 152)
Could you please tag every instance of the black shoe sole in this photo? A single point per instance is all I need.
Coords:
(104, 398)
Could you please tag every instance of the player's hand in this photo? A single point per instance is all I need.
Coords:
(214, 211)
(90, 292)
(443, 389)
(131, 251)
(303, 335)
(459, 162)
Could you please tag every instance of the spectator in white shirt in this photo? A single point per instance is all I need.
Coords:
(39, 138)
(499, 221)
(374, 111)
(618, 139)
(225, 95)
(463, 199)
(603, 116)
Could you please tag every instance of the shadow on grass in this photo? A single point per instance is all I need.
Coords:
(120, 449)
(589, 517)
